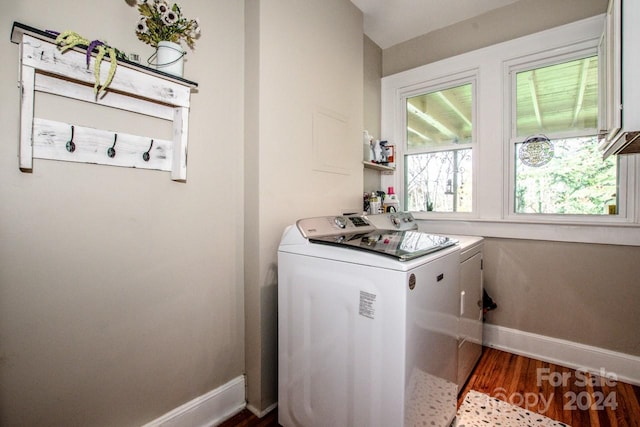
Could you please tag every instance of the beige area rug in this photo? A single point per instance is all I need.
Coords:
(480, 409)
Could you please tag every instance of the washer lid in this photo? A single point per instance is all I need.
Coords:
(402, 245)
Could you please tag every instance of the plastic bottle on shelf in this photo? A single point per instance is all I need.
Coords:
(367, 153)
(374, 204)
(390, 203)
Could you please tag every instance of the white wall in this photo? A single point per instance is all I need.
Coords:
(307, 96)
(121, 291)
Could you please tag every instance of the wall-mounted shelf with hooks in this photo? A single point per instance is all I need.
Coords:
(135, 88)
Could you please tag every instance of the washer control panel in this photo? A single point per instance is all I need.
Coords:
(393, 221)
(333, 225)
(352, 224)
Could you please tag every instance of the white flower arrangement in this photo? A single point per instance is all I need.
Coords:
(159, 22)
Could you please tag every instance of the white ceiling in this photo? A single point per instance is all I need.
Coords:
(389, 22)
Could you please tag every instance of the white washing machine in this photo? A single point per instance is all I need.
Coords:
(367, 327)
(470, 322)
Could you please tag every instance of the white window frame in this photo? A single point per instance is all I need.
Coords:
(435, 85)
(492, 171)
(542, 59)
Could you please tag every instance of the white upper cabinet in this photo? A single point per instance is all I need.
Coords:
(620, 79)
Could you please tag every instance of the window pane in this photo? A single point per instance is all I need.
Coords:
(560, 97)
(574, 181)
(440, 118)
(439, 182)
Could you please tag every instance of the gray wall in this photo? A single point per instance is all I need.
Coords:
(586, 293)
(506, 23)
(310, 84)
(372, 64)
(123, 294)
(372, 75)
(121, 291)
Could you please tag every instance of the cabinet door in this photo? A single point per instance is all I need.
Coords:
(470, 329)
(610, 51)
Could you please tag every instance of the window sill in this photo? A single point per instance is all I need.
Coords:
(627, 234)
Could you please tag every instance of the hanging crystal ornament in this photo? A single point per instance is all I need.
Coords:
(536, 151)
(449, 188)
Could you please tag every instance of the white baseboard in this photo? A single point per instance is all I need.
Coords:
(262, 413)
(573, 355)
(207, 410)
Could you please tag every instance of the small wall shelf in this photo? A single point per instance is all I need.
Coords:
(135, 88)
(378, 167)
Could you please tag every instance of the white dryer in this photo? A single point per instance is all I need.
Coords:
(367, 327)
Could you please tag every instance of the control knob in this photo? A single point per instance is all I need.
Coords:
(340, 221)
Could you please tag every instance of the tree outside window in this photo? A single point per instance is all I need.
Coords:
(558, 169)
(438, 163)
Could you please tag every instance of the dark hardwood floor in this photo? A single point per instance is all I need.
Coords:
(560, 393)
(247, 419)
(572, 397)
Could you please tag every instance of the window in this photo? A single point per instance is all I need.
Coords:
(438, 159)
(557, 167)
(525, 162)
